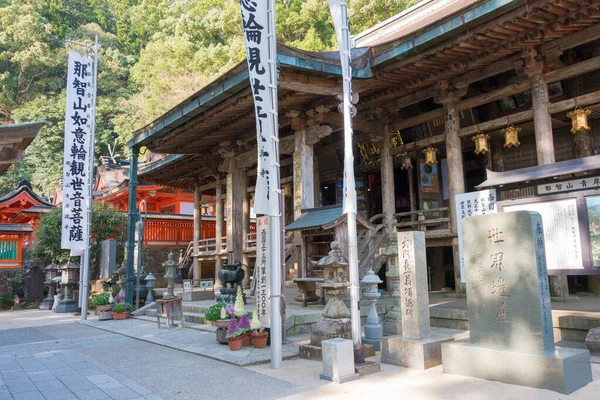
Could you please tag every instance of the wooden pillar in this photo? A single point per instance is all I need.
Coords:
(236, 192)
(454, 158)
(388, 191)
(411, 189)
(218, 229)
(197, 235)
(246, 231)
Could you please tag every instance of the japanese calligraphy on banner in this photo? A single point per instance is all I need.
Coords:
(568, 186)
(467, 204)
(261, 55)
(561, 232)
(78, 125)
(262, 276)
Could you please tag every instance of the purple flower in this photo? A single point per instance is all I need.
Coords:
(117, 299)
(244, 323)
(233, 326)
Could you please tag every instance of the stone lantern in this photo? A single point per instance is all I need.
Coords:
(150, 285)
(335, 321)
(373, 328)
(70, 278)
(392, 322)
(170, 265)
(51, 273)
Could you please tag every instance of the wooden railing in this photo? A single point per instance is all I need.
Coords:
(427, 220)
(11, 251)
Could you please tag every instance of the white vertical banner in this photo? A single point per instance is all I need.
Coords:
(262, 69)
(339, 14)
(77, 144)
(263, 262)
(468, 204)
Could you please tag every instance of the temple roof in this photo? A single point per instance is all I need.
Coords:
(24, 191)
(559, 169)
(14, 139)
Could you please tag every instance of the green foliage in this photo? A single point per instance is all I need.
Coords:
(122, 307)
(213, 312)
(101, 299)
(107, 223)
(154, 54)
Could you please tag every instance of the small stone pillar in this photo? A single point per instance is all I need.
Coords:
(392, 322)
(51, 272)
(373, 327)
(150, 285)
(338, 361)
(170, 266)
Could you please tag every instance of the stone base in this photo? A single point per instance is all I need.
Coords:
(315, 353)
(376, 343)
(198, 295)
(564, 370)
(338, 361)
(369, 367)
(392, 328)
(67, 306)
(413, 353)
(341, 379)
(592, 341)
(221, 333)
(316, 338)
(46, 304)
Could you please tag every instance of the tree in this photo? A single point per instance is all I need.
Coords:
(107, 223)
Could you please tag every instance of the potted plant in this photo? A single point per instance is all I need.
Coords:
(244, 326)
(121, 310)
(102, 302)
(234, 335)
(216, 313)
(239, 309)
(259, 338)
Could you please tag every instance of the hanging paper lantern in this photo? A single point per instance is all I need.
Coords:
(511, 136)
(430, 155)
(481, 143)
(405, 162)
(579, 119)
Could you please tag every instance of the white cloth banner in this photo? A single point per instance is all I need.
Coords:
(262, 69)
(263, 262)
(339, 14)
(76, 164)
(468, 204)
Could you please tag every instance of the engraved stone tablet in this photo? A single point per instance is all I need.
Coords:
(414, 295)
(507, 283)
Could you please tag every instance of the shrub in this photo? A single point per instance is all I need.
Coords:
(101, 299)
(122, 307)
(213, 312)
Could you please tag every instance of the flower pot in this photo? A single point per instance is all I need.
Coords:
(235, 343)
(247, 339)
(120, 315)
(222, 323)
(107, 307)
(259, 339)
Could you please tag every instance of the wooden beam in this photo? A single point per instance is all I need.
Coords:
(573, 40)
(567, 72)
(372, 128)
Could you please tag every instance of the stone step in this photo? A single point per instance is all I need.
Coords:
(190, 325)
(198, 318)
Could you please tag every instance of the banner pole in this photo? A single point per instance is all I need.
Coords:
(87, 257)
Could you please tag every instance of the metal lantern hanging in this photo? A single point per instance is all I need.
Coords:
(481, 143)
(511, 136)
(579, 119)
(430, 155)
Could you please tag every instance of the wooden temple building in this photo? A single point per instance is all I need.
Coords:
(454, 96)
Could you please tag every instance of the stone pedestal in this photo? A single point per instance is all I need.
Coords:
(47, 303)
(414, 353)
(338, 361)
(392, 322)
(562, 370)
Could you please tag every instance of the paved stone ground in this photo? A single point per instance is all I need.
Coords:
(73, 361)
(190, 340)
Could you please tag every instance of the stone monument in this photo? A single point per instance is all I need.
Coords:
(417, 347)
(392, 322)
(338, 361)
(508, 298)
(108, 258)
(373, 328)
